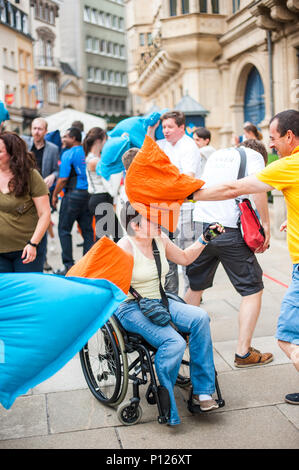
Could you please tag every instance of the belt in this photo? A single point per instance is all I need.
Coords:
(76, 190)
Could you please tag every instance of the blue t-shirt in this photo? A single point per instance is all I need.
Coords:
(73, 167)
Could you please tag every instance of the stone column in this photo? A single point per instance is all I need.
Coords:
(194, 6)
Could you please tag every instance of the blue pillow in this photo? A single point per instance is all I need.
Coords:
(151, 120)
(111, 162)
(4, 114)
(44, 321)
(132, 126)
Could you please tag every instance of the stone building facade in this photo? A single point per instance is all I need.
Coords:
(238, 58)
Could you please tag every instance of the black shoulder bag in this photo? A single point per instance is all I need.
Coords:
(157, 312)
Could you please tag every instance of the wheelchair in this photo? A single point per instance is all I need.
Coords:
(113, 357)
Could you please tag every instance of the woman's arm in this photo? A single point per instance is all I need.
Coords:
(43, 209)
(187, 256)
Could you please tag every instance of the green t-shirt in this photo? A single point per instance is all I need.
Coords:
(18, 215)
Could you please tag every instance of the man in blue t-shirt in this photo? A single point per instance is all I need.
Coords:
(74, 204)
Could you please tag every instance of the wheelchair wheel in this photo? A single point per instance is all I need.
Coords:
(105, 365)
(129, 413)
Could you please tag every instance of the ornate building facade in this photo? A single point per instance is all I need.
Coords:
(238, 58)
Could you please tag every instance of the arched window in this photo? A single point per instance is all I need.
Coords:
(254, 102)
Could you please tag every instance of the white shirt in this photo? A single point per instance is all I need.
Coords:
(221, 167)
(205, 153)
(185, 154)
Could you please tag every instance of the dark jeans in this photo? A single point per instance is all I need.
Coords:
(101, 206)
(74, 207)
(13, 263)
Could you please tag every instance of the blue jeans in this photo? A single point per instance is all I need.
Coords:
(12, 262)
(288, 321)
(171, 346)
(74, 207)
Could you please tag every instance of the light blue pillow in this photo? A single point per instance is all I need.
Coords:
(44, 321)
(111, 162)
(4, 114)
(132, 126)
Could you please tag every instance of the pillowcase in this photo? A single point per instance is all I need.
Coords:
(111, 162)
(106, 260)
(155, 187)
(44, 321)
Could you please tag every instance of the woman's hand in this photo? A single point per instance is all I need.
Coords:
(29, 254)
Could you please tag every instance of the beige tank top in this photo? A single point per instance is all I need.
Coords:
(145, 278)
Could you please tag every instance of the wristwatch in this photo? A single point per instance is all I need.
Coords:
(201, 240)
(32, 244)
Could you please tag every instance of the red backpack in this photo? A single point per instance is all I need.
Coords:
(250, 226)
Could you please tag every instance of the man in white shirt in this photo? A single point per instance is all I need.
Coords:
(230, 250)
(202, 138)
(184, 154)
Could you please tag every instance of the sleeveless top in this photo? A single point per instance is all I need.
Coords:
(145, 278)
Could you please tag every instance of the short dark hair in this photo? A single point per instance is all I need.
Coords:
(129, 156)
(128, 215)
(287, 121)
(79, 125)
(257, 146)
(178, 116)
(75, 132)
(202, 133)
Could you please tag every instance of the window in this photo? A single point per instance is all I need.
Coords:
(103, 46)
(94, 16)
(236, 5)
(96, 45)
(98, 76)
(185, 7)
(111, 77)
(215, 6)
(88, 44)
(121, 24)
(90, 74)
(87, 14)
(52, 91)
(122, 51)
(116, 50)
(149, 39)
(108, 20)
(40, 89)
(203, 6)
(172, 7)
(141, 39)
(101, 18)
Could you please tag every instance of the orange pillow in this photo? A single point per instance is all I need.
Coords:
(106, 260)
(156, 188)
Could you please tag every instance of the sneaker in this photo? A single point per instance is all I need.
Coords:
(62, 271)
(254, 358)
(205, 405)
(47, 267)
(292, 398)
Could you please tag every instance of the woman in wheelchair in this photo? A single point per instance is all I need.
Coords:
(186, 318)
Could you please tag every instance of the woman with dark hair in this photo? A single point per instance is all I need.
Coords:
(187, 318)
(101, 200)
(24, 208)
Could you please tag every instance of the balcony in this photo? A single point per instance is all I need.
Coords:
(47, 64)
(272, 14)
(186, 41)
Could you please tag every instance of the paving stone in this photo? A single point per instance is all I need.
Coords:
(78, 410)
(256, 428)
(92, 439)
(291, 412)
(27, 417)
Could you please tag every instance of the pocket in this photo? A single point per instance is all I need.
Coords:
(254, 270)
